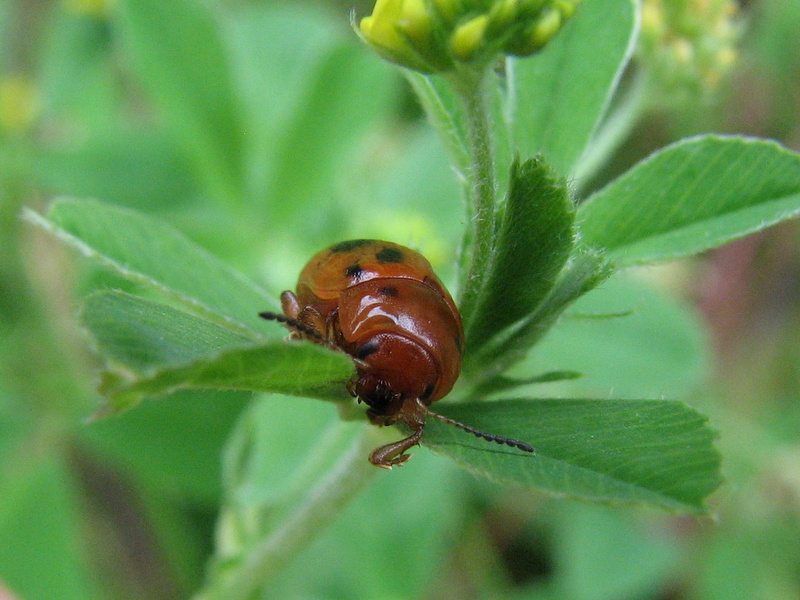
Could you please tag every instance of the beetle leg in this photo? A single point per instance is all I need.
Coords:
(311, 318)
(391, 455)
(307, 315)
(412, 414)
(331, 328)
(290, 304)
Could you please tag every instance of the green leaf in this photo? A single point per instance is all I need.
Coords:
(585, 270)
(75, 73)
(656, 452)
(156, 349)
(310, 100)
(500, 383)
(694, 195)
(282, 449)
(563, 91)
(179, 53)
(296, 369)
(173, 443)
(350, 92)
(384, 518)
(138, 169)
(41, 522)
(143, 335)
(274, 67)
(658, 350)
(150, 252)
(606, 553)
(532, 245)
(278, 449)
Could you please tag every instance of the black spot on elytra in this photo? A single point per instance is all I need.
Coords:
(349, 245)
(353, 271)
(365, 350)
(389, 291)
(389, 255)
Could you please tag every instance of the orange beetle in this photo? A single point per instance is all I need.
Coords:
(382, 304)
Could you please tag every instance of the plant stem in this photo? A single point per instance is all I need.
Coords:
(320, 506)
(482, 188)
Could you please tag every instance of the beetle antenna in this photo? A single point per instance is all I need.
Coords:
(308, 330)
(490, 437)
(298, 326)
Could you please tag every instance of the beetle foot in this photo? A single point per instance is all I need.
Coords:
(392, 455)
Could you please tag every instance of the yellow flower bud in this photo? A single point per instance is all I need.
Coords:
(380, 27)
(387, 31)
(682, 51)
(447, 8)
(468, 39)
(547, 26)
(415, 21)
(18, 104)
(726, 57)
(434, 35)
(567, 8)
(93, 8)
(504, 13)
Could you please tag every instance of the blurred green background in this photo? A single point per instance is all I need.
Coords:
(275, 134)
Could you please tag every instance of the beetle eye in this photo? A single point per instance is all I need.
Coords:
(365, 350)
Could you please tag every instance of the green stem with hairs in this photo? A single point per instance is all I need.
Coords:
(320, 506)
(470, 86)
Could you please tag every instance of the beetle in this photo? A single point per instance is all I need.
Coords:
(382, 304)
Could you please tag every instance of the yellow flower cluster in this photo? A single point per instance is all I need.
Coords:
(436, 35)
(689, 45)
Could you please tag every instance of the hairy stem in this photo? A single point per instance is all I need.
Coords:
(482, 188)
(320, 506)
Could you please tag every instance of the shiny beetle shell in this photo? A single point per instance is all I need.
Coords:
(382, 304)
